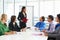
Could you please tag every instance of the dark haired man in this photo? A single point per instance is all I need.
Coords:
(56, 34)
(51, 23)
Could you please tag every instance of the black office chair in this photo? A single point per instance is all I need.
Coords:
(50, 38)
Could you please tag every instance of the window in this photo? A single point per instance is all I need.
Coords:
(18, 1)
(40, 7)
(49, 7)
(46, 8)
(35, 10)
(32, 0)
(1, 6)
(9, 8)
(57, 7)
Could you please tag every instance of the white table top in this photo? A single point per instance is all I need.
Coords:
(24, 36)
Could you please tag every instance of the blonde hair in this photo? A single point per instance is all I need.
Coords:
(3, 16)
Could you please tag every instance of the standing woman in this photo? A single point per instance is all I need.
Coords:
(22, 17)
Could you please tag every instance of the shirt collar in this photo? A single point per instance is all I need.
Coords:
(1, 22)
(42, 21)
(51, 22)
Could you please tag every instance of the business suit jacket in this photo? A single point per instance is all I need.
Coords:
(20, 17)
(55, 34)
(13, 27)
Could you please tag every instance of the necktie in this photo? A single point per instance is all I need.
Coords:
(49, 26)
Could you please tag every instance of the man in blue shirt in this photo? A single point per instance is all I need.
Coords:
(41, 25)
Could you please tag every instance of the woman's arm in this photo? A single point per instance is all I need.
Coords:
(19, 16)
(10, 33)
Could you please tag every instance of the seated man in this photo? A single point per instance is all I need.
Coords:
(56, 34)
(3, 27)
(41, 25)
(51, 24)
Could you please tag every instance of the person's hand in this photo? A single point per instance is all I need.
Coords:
(46, 34)
(44, 31)
(21, 20)
(36, 29)
(23, 30)
(10, 33)
(13, 32)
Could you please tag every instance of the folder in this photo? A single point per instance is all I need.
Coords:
(24, 20)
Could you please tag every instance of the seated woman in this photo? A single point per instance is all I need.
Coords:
(41, 25)
(3, 27)
(13, 25)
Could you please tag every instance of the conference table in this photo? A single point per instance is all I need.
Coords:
(28, 35)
